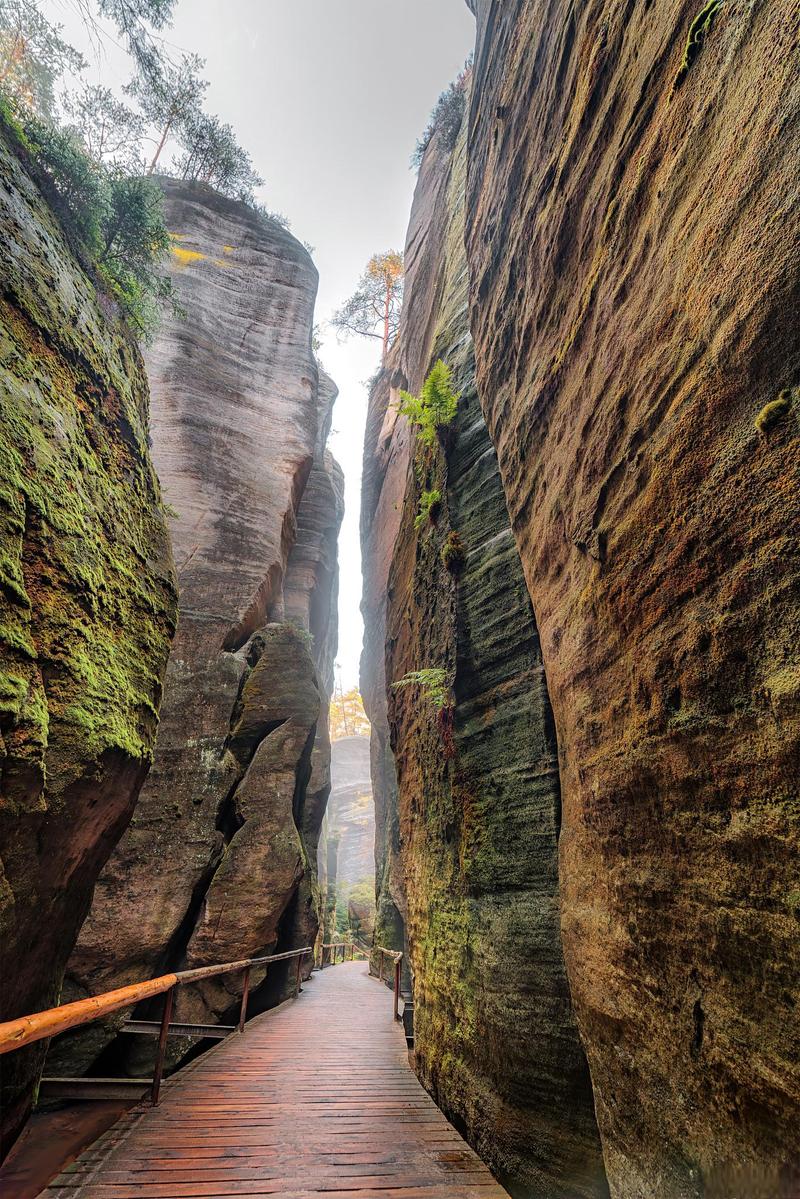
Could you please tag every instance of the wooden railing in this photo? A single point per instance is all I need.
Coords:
(334, 947)
(397, 957)
(15, 1034)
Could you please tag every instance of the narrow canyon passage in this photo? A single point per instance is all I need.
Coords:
(400, 551)
(315, 1098)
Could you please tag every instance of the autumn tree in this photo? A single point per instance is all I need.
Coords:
(374, 308)
(348, 718)
(33, 56)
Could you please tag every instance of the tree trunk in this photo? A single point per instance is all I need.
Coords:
(161, 145)
(386, 311)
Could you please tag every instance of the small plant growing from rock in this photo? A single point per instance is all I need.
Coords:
(430, 504)
(774, 412)
(453, 554)
(698, 31)
(431, 683)
(434, 408)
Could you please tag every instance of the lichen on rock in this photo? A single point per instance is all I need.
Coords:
(634, 287)
(472, 831)
(87, 600)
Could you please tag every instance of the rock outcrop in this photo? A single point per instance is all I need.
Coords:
(350, 832)
(632, 231)
(87, 601)
(223, 840)
(478, 811)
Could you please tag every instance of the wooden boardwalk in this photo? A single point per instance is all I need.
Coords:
(316, 1098)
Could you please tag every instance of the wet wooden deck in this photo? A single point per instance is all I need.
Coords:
(316, 1098)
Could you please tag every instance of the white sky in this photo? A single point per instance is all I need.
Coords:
(329, 97)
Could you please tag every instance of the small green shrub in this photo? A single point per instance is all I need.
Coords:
(774, 412)
(431, 683)
(435, 407)
(453, 554)
(698, 31)
(430, 504)
(114, 218)
(446, 118)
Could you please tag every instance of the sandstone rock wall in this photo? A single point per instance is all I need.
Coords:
(218, 861)
(351, 829)
(632, 234)
(478, 807)
(87, 602)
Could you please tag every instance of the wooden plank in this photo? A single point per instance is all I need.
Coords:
(152, 1028)
(93, 1088)
(314, 1099)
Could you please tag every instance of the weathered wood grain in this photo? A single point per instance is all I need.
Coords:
(315, 1098)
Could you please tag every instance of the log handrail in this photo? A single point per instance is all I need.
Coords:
(397, 955)
(15, 1034)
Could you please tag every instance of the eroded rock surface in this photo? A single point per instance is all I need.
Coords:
(350, 826)
(211, 866)
(87, 602)
(478, 809)
(635, 282)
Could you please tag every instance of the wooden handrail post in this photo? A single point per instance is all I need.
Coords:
(297, 978)
(245, 995)
(158, 1073)
(380, 971)
(397, 967)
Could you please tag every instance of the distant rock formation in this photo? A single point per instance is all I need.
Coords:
(87, 602)
(350, 832)
(219, 861)
(479, 803)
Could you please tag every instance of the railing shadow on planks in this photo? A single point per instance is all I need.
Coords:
(25, 1030)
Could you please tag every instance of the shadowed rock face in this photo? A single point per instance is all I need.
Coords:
(212, 863)
(311, 594)
(635, 280)
(479, 803)
(87, 603)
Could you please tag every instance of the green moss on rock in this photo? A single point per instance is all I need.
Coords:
(87, 595)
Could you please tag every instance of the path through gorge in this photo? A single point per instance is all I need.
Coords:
(563, 828)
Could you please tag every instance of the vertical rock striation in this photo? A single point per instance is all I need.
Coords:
(211, 867)
(478, 807)
(632, 234)
(87, 602)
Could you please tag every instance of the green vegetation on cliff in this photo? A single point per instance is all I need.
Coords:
(434, 408)
(114, 220)
(84, 617)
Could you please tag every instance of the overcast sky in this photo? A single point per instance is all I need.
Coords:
(329, 97)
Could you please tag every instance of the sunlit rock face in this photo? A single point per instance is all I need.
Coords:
(87, 602)
(350, 833)
(477, 808)
(633, 256)
(213, 863)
